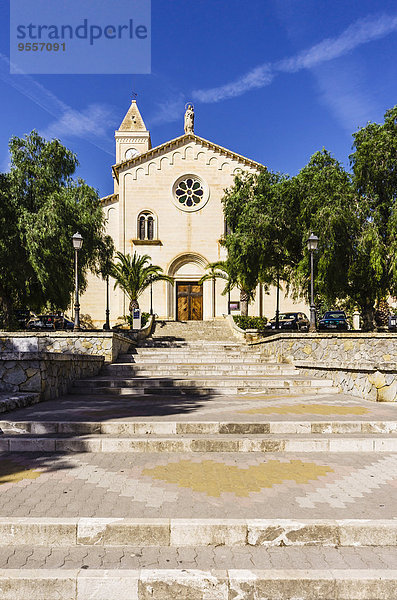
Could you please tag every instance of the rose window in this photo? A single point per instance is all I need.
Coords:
(189, 192)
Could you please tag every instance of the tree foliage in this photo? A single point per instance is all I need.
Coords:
(373, 274)
(326, 205)
(354, 216)
(41, 207)
(262, 241)
(133, 274)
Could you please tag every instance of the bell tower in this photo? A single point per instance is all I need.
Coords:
(132, 138)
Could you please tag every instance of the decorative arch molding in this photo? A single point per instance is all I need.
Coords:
(200, 156)
(175, 155)
(163, 162)
(152, 166)
(140, 172)
(189, 153)
(183, 154)
(184, 259)
(178, 262)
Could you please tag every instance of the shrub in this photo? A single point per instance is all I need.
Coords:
(245, 322)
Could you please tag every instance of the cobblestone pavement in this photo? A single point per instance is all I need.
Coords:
(245, 407)
(208, 557)
(214, 485)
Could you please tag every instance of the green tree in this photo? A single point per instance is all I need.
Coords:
(263, 242)
(41, 207)
(105, 257)
(373, 274)
(133, 274)
(327, 206)
(217, 270)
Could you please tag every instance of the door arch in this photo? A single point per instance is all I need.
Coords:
(186, 270)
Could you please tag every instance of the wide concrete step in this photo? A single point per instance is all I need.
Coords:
(198, 428)
(219, 381)
(174, 533)
(163, 369)
(68, 443)
(195, 353)
(204, 386)
(195, 584)
(146, 391)
(190, 359)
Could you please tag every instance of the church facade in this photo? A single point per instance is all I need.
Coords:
(167, 204)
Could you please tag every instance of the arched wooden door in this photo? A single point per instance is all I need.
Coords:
(189, 297)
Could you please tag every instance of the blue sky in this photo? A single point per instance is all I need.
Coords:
(274, 80)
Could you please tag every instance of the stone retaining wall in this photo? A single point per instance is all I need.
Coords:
(48, 374)
(363, 364)
(102, 343)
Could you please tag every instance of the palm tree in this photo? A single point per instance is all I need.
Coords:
(220, 270)
(133, 274)
(217, 270)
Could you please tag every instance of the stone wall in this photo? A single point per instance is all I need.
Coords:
(362, 364)
(48, 374)
(102, 343)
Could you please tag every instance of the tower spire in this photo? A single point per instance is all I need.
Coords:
(132, 137)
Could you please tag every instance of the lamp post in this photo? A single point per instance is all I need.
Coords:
(77, 244)
(312, 243)
(151, 296)
(107, 311)
(278, 300)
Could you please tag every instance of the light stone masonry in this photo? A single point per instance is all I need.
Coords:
(360, 364)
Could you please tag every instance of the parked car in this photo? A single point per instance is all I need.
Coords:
(334, 319)
(44, 322)
(22, 316)
(292, 321)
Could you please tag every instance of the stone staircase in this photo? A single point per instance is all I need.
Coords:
(214, 330)
(195, 469)
(176, 365)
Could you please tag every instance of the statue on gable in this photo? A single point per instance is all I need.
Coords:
(189, 118)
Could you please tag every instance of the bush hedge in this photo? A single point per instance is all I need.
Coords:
(250, 322)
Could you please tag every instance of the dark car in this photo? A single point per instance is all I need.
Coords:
(22, 316)
(292, 321)
(334, 319)
(45, 322)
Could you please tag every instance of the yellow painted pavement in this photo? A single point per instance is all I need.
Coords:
(215, 478)
(12, 472)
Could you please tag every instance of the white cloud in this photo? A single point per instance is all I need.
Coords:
(345, 92)
(169, 111)
(257, 78)
(360, 32)
(95, 120)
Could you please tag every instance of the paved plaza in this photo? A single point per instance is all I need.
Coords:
(202, 493)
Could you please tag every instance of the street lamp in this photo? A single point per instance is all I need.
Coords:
(151, 296)
(312, 244)
(77, 244)
(107, 311)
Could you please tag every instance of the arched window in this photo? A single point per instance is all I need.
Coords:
(146, 226)
(150, 227)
